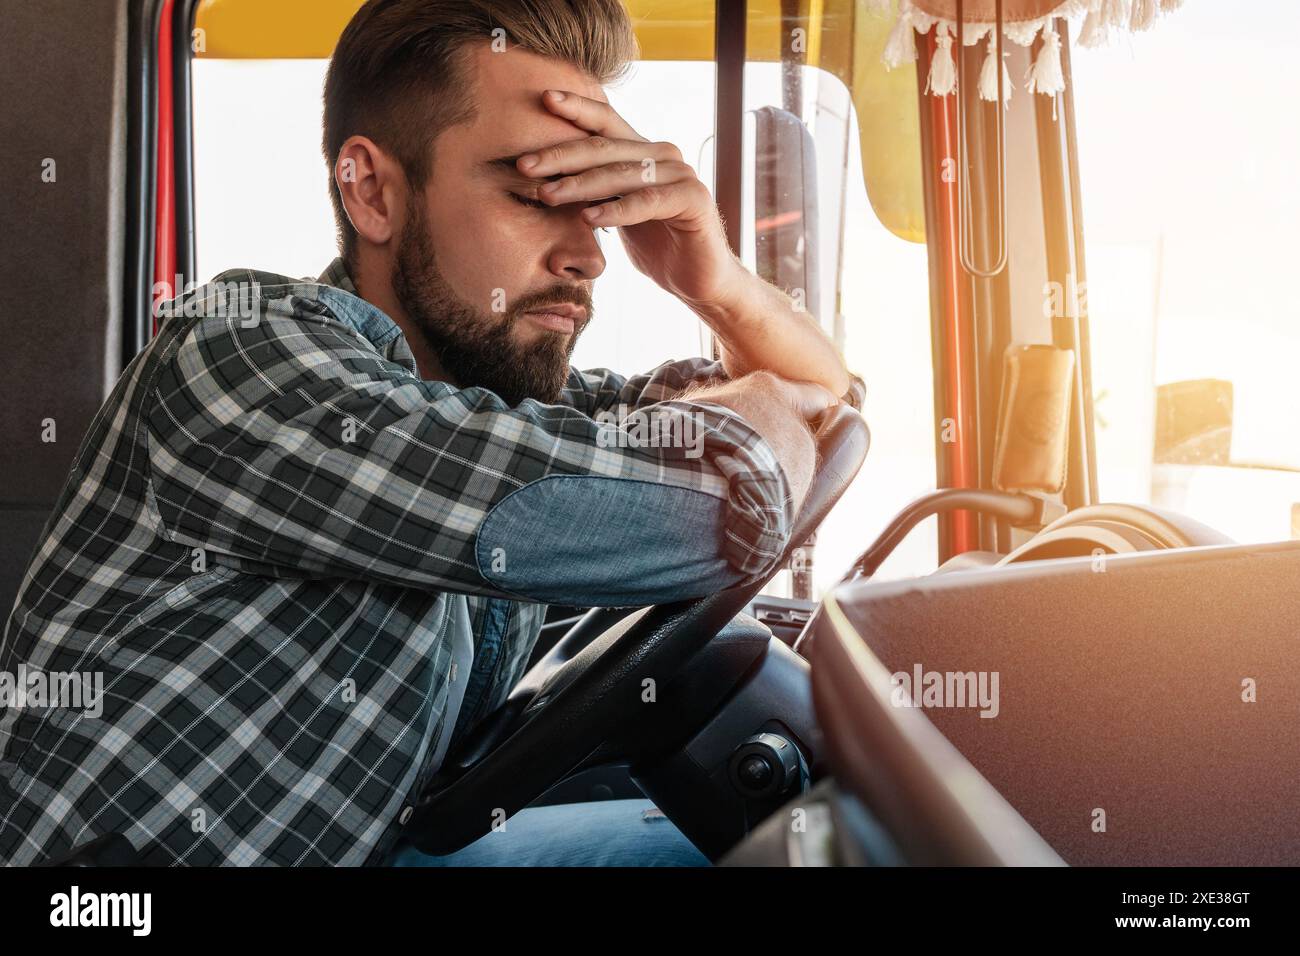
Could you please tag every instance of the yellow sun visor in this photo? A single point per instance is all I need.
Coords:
(843, 37)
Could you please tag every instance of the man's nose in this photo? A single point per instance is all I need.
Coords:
(576, 254)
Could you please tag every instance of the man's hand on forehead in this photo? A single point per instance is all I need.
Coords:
(673, 233)
(668, 220)
(577, 165)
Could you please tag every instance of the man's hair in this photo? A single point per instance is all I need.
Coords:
(397, 75)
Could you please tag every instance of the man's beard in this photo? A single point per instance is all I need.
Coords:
(477, 348)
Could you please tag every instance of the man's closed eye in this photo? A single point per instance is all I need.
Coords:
(538, 204)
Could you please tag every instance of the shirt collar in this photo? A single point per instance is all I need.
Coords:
(336, 274)
(341, 295)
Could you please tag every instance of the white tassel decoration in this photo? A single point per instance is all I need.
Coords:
(920, 19)
(1094, 32)
(900, 48)
(1045, 75)
(1115, 13)
(1073, 8)
(1144, 15)
(974, 32)
(1105, 19)
(943, 68)
(1102, 19)
(1022, 32)
(989, 75)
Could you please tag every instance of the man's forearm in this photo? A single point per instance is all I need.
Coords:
(780, 411)
(761, 328)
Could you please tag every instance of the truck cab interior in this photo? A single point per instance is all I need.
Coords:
(1089, 541)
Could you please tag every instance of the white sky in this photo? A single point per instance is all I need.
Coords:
(1187, 146)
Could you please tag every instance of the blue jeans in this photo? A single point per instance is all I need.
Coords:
(602, 833)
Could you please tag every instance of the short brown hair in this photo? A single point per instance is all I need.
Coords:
(396, 75)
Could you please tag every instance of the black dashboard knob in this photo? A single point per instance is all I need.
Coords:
(764, 765)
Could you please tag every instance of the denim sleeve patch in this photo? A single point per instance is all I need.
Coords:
(592, 541)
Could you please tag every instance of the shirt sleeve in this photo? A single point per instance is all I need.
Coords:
(601, 392)
(294, 447)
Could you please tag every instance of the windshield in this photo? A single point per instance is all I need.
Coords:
(1190, 203)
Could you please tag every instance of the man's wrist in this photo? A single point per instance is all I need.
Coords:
(735, 303)
(758, 326)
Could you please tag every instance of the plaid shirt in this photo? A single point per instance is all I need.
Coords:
(268, 549)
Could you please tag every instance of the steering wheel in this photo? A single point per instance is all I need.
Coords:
(546, 731)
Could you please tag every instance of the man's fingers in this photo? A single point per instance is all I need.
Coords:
(616, 179)
(811, 399)
(807, 398)
(649, 203)
(579, 154)
(592, 115)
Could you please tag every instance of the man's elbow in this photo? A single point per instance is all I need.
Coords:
(593, 541)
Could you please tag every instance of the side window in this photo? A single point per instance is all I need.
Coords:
(1189, 206)
(874, 301)
(261, 189)
(638, 325)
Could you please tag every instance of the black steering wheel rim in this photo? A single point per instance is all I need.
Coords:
(599, 689)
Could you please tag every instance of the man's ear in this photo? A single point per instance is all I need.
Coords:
(372, 185)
